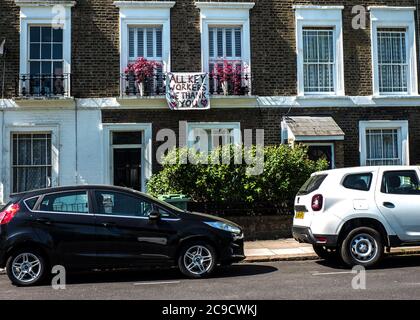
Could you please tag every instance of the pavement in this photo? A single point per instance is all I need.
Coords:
(291, 250)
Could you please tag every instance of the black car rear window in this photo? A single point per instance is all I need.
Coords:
(312, 184)
(31, 202)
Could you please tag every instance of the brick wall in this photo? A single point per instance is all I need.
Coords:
(347, 152)
(95, 64)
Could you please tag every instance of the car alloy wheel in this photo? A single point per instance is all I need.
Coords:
(363, 248)
(198, 260)
(26, 268)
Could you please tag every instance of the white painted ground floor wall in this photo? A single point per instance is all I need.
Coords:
(68, 166)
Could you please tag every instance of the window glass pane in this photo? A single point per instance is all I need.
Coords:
(74, 202)
(121, 204)
(46, 67)
(131, 42)
(35, 67)
(46, 34)
(149, 40)
(129, 137)
(35, 51)
(211, 43)
(58, 68)
(400, 182)
(31, 202)
(58, 35)
(35, 34)
(57, 51)
(360, 181)
(140, 43)
(46, 51)
(238, 43)
(158, 42)
(228, 42)
(220, 42)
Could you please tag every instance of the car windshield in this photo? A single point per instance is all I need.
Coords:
(312, 184)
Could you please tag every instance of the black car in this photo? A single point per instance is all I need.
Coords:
(101, 227)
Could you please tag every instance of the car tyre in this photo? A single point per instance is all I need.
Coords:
(326, 253)
(197, 260)
(26, 268)
(362, 246)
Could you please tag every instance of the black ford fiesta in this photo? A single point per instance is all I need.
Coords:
(99, 227)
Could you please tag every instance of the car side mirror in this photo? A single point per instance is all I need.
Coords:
(154, 215)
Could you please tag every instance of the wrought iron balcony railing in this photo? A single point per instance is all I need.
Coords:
(132, 86)
(44, 85)
(235, 85)
(238, 84)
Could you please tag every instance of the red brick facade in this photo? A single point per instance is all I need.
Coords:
(96, 67)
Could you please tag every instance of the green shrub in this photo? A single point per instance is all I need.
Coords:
(285, 169)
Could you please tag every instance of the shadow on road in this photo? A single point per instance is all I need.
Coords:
(239, 270)
(389, 262)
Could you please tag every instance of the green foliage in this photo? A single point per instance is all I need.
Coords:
(283, 172)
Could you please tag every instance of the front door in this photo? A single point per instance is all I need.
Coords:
(127, 159)
(398, 198)
(125, 235)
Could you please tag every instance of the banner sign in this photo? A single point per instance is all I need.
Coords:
(187, 91)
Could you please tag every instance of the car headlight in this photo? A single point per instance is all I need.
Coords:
(224, 226)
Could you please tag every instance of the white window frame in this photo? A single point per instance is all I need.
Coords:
(225, 14)
(320, 16)
(45, 13)
(324, 144)
(54, 129)
(146, 146)
(394, 17)
(144, 14)
(235, 126)
(403, 142)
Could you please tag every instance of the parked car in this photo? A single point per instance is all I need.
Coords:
(89, 227)
(355, 213)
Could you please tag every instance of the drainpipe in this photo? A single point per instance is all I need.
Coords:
(76, 142)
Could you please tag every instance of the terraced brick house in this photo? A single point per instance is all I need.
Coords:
(339, 78)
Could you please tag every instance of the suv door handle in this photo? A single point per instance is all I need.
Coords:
(109, 224)
(44, 221)
(389, 205)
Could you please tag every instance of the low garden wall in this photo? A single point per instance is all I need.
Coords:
(265, 227)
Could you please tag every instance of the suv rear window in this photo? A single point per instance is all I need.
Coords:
(312, 184)
(358, 181)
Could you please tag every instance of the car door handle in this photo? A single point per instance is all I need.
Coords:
(389, 205)
(44, 220)
(109, 224)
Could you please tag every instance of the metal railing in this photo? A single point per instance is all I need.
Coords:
(44, 85)
(132, 86)
(235, 85)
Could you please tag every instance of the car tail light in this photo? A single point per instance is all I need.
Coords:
(8, 214)
(317, 201)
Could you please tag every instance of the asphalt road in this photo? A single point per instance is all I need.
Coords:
(395, 278)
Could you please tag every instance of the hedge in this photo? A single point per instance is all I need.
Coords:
(228, 185)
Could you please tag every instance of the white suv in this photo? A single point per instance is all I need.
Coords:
(354, 213)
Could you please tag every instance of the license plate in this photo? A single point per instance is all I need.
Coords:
(300, 215)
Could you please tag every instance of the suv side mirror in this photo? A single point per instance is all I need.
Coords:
(154, 215)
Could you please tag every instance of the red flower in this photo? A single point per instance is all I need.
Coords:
(142, 69)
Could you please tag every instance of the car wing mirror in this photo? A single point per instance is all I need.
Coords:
(154, 215)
